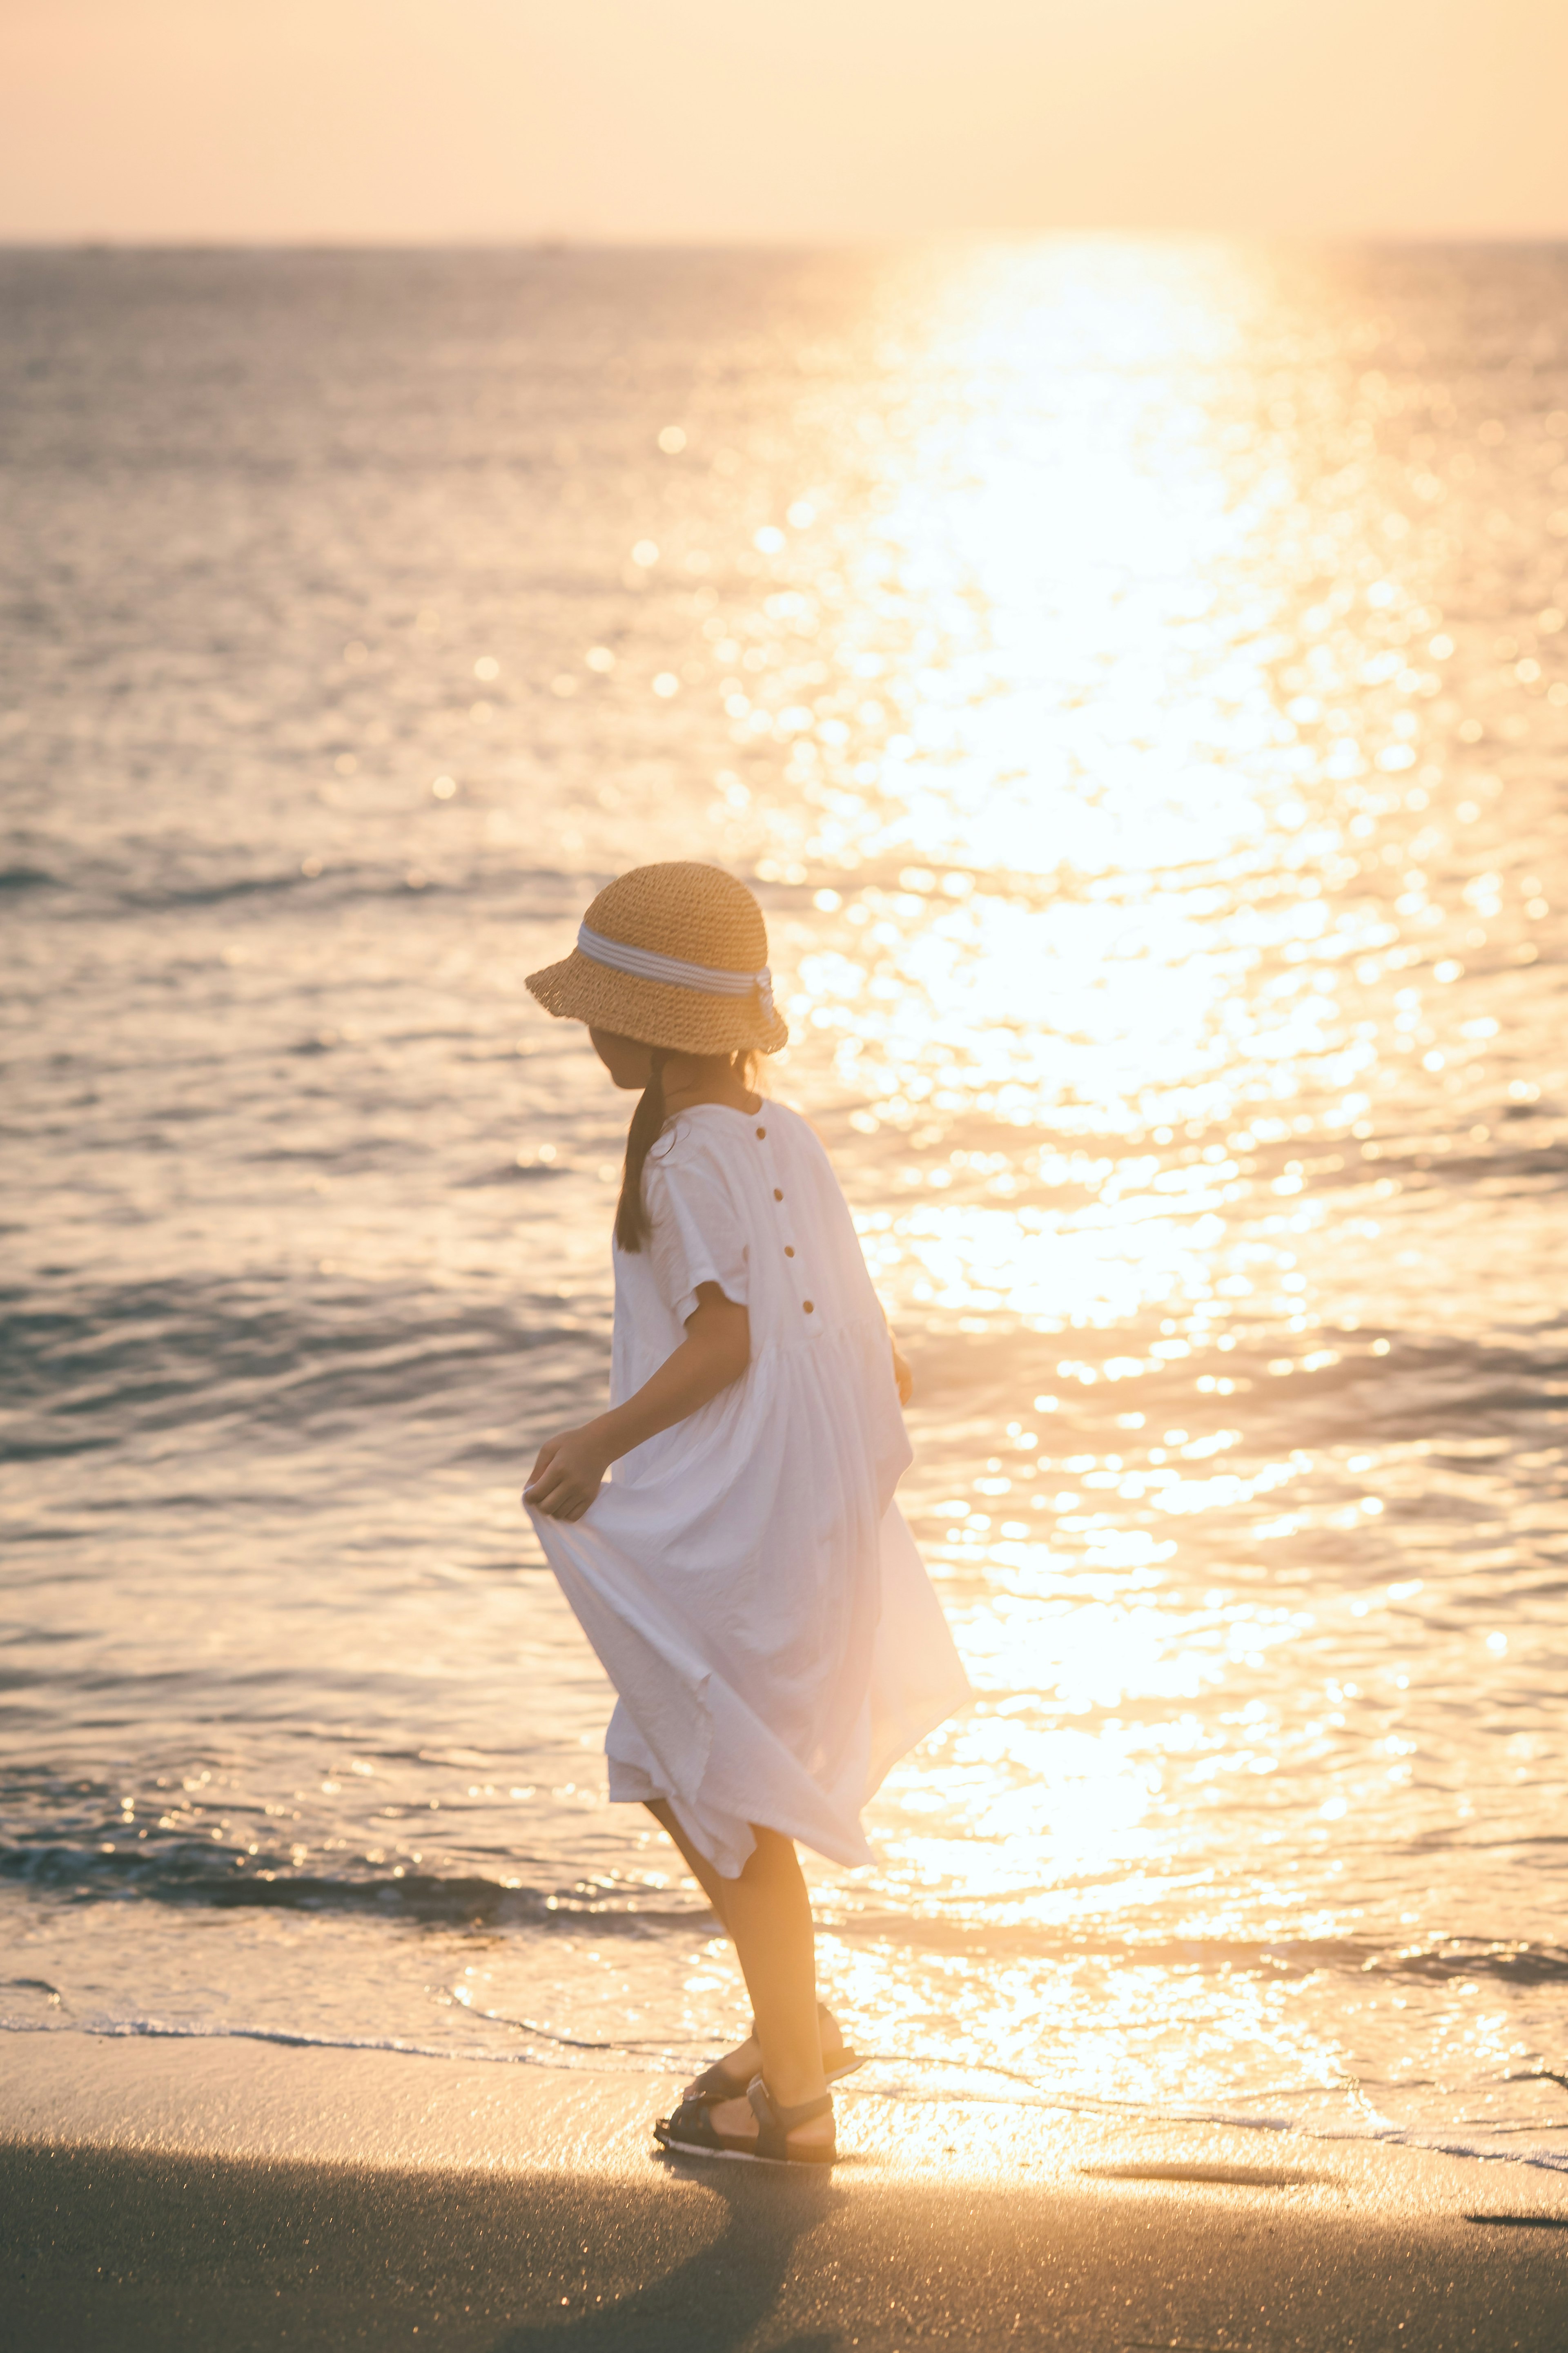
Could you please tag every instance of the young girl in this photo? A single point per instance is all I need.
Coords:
(745, 1577)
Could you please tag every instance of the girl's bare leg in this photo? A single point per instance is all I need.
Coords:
(770, 1920)
(746, 2057)
(778, 1879)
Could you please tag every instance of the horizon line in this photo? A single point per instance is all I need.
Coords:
(568, 241)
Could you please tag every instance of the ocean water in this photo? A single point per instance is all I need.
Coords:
(1134, 678)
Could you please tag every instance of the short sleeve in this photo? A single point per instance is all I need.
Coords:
(697, 1233)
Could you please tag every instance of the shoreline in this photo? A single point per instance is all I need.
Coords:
(527, 2073)
(177, 2193)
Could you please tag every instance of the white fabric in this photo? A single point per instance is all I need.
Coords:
(646, 963)
(746, 1577)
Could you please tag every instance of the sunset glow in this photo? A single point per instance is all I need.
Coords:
(702, 121)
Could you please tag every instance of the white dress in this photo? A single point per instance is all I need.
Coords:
(745, 1577)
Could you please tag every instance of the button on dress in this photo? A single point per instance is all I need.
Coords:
(745, 1577)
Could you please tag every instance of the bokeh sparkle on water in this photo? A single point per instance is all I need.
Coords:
(1136, 678)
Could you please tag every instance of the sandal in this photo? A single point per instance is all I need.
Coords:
(691, 2132)
(715, 2083)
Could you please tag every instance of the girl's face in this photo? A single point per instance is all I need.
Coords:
(629, 1064)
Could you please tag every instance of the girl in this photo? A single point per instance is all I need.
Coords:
(745, 1577)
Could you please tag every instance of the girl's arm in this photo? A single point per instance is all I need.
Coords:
(716, 1351)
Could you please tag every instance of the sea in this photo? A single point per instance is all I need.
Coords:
(1133, 676)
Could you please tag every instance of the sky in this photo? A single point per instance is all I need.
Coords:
(781, 121)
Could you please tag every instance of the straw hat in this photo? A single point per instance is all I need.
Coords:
(673, 955)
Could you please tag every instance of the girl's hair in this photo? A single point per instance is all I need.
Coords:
(632, 1227)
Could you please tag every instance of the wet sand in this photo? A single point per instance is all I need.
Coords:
(229, 2195)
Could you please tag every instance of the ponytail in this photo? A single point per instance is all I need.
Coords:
(631, 1216)
(632, 1227)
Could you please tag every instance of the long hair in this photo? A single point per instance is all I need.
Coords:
(632, 1227)
(631, 1213)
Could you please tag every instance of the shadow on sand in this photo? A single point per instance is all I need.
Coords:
(717, 2298)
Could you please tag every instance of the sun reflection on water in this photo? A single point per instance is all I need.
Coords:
(1124, 949)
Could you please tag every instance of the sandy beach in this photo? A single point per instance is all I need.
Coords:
(224, 2194)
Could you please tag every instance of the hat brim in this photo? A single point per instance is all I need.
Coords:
(656, 1012)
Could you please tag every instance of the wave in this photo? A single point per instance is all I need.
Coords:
(117, 1361)
(105, 1362)
(221, 1878)
(1427, 1385)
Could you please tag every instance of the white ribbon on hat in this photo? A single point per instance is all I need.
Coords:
(644, 963)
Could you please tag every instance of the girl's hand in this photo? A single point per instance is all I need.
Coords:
(902, 1375)
(568, 1473)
